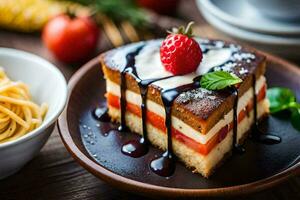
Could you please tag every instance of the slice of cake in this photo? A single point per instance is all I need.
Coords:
(173, 112)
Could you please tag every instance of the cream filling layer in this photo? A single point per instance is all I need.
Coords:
(178, 124)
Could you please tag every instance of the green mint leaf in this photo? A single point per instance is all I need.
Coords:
(294, 104)
(218, 80)
(280, 99)
(295, 119)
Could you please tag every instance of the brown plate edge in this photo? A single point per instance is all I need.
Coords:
(144, 188)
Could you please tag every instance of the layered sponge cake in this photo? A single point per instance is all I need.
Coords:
(205, 125)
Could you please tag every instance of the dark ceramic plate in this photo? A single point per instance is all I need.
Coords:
(97, 147)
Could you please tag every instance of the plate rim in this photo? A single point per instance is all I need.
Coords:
(145, 188)
(230, 19)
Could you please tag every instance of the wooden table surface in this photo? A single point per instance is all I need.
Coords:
(54, 174)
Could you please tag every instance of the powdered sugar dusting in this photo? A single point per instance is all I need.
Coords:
(243, 71)
(196, 94)
(236, 61)
(235, 47)
(242, 56)
(226, 67)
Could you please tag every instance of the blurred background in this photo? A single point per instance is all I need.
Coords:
(270, 25)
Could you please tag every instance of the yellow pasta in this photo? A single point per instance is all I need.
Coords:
(18, 113)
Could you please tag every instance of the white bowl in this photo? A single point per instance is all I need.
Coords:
(278, 9)
(46, 84)
(244, 16)
(284, 46)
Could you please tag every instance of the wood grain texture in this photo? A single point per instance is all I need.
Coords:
(53, 174)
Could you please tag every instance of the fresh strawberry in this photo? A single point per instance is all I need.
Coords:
(179, 52)
(161, 7)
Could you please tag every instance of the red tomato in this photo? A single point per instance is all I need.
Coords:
(71, 40)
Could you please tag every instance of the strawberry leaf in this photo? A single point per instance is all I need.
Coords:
(218, 80)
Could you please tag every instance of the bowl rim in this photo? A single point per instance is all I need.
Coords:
(61, 104)
(131, 185)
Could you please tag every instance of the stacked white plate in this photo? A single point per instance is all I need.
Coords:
(242, 21)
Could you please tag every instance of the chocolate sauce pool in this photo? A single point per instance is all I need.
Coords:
(101, 114)
(135, 148)
(165, 164)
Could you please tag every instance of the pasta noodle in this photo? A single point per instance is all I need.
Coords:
(18, 114)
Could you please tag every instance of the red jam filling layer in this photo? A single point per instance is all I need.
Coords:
(158, 122)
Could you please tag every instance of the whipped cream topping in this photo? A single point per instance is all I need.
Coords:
(216, 56)
(148, 64)
(213, 58)
(118, 59)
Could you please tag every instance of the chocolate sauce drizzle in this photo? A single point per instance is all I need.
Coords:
(257, 134)
(236, 146)
(165, 164)
(135, 148)
(138, 148)
(130, 58)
